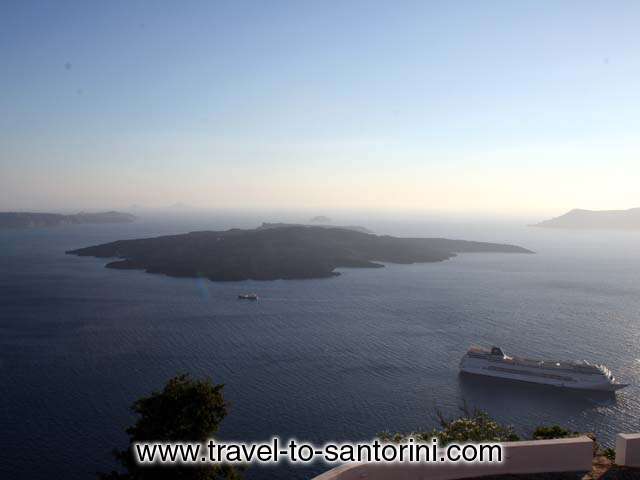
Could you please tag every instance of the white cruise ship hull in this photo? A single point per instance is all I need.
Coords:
(508, 368)
(602, 387)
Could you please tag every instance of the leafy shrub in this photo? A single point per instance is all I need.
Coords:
(185, 410)
(609, 453)
(554, 431)
(472, 426)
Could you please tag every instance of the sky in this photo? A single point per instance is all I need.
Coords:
(463, 106)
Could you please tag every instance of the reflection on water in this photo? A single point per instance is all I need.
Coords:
(506, 394)
(334, 359)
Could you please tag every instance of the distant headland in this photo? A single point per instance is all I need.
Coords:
(355, 228)
(320, 219)
(285, 252)
(39, 220)
(595, 219)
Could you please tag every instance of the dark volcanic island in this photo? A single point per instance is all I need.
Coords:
(288, 252)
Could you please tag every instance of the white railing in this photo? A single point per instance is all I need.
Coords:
(628, 449)
(536, 456)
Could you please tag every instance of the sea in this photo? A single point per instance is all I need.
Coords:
(335, 359)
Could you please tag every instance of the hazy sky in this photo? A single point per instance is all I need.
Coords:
(490, 106)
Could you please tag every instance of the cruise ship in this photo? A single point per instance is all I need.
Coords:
(579, 375)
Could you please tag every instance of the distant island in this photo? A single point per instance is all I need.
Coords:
(596, 220)
(39, 220)
(287, 252)
(346, 227)
(320, 219)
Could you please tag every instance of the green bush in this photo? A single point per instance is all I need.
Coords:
(609, 453)
(477, 426)
(185, 410)
(554, 431)
(472, 426)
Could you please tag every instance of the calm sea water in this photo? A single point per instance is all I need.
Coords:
(331, 359)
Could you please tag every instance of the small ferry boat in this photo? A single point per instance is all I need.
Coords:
(248, 296)
(579, 375)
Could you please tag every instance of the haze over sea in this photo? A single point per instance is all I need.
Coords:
(331, 359)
